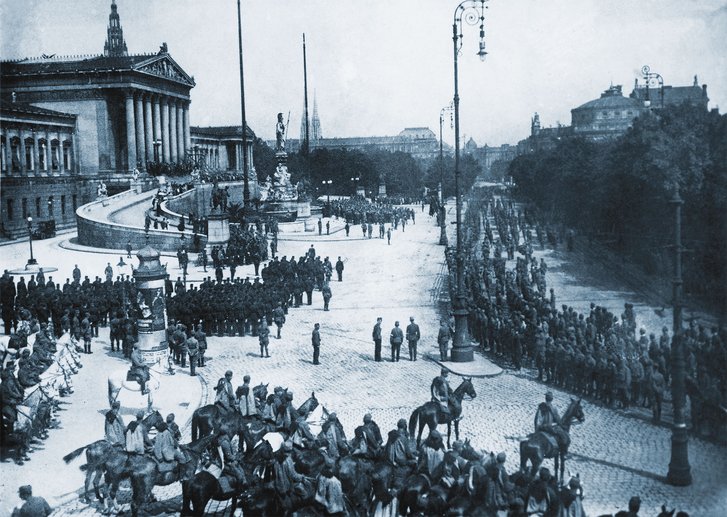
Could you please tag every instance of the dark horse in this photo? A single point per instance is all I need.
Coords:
(205, 487)
(431, 414)
(101, 451)
(539, 445)
(204, 418)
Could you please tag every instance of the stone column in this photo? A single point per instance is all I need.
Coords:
(187, 134)
(36, 153)
(140, 147)
(21, 150)
(180, 131)
(59, 136)
(148, 127)
(165, 128)
(130, 132)
(48, 154)
(8, 154)
(173, 130)
(157, 125)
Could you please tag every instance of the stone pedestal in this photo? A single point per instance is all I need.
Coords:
(303, 208)
(382, 191)
(152, 307)
(218, 229)
(136, 186)
(360, 191)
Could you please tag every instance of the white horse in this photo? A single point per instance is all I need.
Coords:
(117, 381)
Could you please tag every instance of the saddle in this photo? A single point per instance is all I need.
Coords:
(551, 439)
(167, 466)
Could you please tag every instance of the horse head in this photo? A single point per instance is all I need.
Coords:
(469, 453)
(153, 419)
(260, 391)
(466, 388)
(575, 410)
(309, 405)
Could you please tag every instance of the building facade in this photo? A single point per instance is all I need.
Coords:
(68, 123)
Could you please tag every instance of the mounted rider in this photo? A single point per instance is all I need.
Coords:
(114, 426)
(225, 397)
(166, 449)
(139, 370)
(441, 391)
(11, 394)
(548, 421)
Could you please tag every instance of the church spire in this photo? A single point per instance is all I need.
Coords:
(115, 45)
(316, 133)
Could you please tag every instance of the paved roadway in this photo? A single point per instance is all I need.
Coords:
(616, 455)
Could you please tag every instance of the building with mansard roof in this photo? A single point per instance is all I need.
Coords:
(68, 123)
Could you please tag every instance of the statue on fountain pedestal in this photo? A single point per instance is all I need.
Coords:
(280, 134)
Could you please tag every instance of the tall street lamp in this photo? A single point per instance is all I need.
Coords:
(355, 181)
(31, 260)
(245, 180)
(653, 78)
(471, 12)
(442, 211)
(679, 470)
(327, 186)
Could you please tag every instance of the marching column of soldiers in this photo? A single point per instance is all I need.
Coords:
(357, 210)
(597, 354)
(233, 306)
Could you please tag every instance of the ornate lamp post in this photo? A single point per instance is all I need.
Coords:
(679, 470)
(355, 181)
(246, 182)
(652, 78)
(471, 12)
(327, 186)
(442, 211)
(31, 260)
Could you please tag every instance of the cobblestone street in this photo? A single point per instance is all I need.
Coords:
(616, 455)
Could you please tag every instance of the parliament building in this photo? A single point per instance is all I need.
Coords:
(67, 123)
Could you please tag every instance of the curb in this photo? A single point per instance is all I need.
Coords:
(488, 370)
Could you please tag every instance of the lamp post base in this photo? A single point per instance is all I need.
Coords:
(679, 470)
(443, 241)
(32, 262)
(464, 354)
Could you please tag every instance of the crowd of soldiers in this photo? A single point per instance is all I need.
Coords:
(357, 210)
(598, 354)
(235, 306)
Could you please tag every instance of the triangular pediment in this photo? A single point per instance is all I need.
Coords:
(163, 65)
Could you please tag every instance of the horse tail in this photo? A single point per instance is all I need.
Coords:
(413, 422)
(195, 425)
(75, 454)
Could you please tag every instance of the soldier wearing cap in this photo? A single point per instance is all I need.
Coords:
(441, 391)
(33, 506)
(547, 420)
(287, 481)
(114, 426)
(396, 339)
(412, 337)
(225, 395)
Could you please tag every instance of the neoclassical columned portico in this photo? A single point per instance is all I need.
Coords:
(150, 117)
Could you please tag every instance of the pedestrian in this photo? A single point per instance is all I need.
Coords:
(376, 335)
(320, 226)
(193, 351)
(347, 228)
(128, 249)
(443, 339)
(33, 506)
(279, 318)
(658, 384)
(203, 259)
(396, 339)
(316, 342)
(339, 269)
(264, 337)
(388, 236)
(326, 292)
(412, 337)
(328, 227)
(201, 338)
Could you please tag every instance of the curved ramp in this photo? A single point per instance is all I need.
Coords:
(114, 221)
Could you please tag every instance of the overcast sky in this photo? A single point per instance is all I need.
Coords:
(378, 66)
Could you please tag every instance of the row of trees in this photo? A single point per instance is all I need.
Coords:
(402, 174)
(620, 191)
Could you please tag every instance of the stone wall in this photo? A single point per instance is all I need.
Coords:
(105, 234)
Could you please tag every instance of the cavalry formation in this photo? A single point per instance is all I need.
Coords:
(297, 460)
(37, 370)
